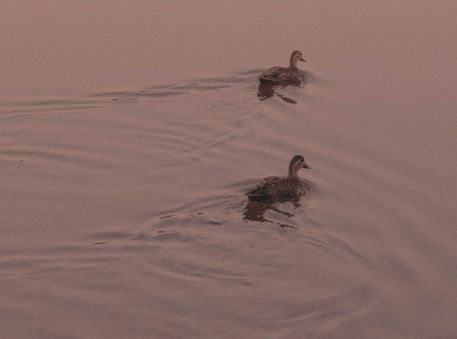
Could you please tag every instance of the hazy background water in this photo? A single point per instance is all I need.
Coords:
(129, 132)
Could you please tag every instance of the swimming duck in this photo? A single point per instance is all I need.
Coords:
(284, 76)
(282, 188)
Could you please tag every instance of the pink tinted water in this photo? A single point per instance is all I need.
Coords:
(122, 199)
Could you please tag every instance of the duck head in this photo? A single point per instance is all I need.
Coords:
(296, 164)
(295, 57)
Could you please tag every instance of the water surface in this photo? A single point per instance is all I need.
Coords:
(129, 134)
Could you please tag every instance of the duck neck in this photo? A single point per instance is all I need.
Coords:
(293, 170)
(293, 62)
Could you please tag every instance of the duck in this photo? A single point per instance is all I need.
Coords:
(282, 189)
(285, 76)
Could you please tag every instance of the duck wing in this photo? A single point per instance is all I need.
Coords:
(278, 189)
(263, 190)
(272, 75)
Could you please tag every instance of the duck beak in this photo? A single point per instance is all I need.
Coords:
(302, 59)
(306, 166)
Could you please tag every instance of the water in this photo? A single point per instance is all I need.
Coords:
(123, 175)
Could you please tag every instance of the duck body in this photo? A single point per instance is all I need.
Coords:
(285, 76)
(282, 189)
(279, 189)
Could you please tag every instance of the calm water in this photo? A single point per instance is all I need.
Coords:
(130, 131)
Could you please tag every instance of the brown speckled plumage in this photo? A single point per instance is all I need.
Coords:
(285, 76)
(282, 188)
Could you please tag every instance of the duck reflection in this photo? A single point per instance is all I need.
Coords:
(255, 211)
(267, 90)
